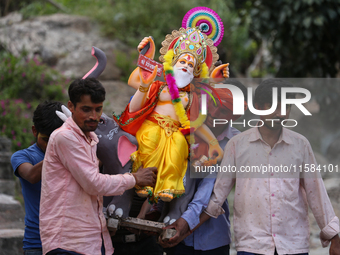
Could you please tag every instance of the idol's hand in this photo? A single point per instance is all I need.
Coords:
(215, 151)
(146, 78)
(221, 71)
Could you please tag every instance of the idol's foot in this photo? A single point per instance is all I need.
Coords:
(166, 197)
(145, 192)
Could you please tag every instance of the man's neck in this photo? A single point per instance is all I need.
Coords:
(87, 134)
(219, 129)
(270, 136)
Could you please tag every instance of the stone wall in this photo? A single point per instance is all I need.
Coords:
(11, 212)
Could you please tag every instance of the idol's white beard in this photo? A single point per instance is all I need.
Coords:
(182, 78)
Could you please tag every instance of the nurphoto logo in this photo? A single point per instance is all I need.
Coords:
(238, 105)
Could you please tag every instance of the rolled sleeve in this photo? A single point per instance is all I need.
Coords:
(191, 217)
(199, 202)
(329, 231)
(214, 209)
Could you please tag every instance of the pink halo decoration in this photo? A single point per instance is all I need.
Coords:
(204, 15)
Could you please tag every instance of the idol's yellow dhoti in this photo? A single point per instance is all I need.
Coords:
(162, 145)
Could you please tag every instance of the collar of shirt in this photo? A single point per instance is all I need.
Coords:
(94, 139)
(226, 133)
(255, 135)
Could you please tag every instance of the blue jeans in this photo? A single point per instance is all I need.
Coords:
(33, 252)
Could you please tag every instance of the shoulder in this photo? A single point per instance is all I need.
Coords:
(238, 135)
(19, 155)
(64, 134)
(32, 151)
(295, 138)
(30, 155)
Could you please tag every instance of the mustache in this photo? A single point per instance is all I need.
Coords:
(91, 121)
(280, 119)
(181, 68)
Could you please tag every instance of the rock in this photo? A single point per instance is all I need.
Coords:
(10, 19)
(118, 95)
(61, 40)
(11, 241)
(7, 187)
(62, 21)
(6, 171)
(5, 144)
(11, 213)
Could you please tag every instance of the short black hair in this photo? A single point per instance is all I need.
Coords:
(264, 92)
(88, 86)
(45, 119)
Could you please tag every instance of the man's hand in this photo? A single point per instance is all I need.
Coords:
(146, 176)
(335, 245)
(182, 229)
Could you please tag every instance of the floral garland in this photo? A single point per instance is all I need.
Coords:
(173, 90)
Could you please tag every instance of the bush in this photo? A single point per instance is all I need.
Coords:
(7, 6)
(126, 62)
(16, 122)
(24, 83)
(29, 79)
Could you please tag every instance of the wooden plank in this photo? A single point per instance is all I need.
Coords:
(141, 224)
(146, 225)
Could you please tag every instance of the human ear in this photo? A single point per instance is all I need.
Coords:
(70, 106)
(34, 130)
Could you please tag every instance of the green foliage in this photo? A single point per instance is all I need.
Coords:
(304, 38)
(236, 47)
(304, 35)
(16, 122)
(126, 62)
(29, 79)
(24, 83)
(327, 94)
(37, 8)
(7, 6)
